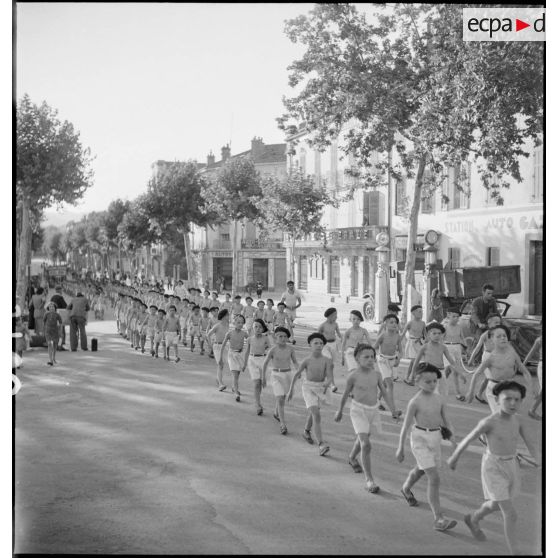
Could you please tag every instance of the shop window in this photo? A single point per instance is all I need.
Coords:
(454, 258)
(492, 256)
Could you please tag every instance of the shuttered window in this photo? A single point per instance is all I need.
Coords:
(371, 209)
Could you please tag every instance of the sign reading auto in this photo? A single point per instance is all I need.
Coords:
(503, 24)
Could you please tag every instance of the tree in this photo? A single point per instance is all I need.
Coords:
(51, 167)
(295, 206)
(174, 203)
(112, 219)
(232, 196)
(410, 86)
(51, 244)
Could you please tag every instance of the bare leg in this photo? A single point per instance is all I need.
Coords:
(220, 374)
(482, 388)
(365, 446)
(413, 476)
(281, 409)
(487, 507)
(409, 370)
(257, 393)
(235, 375)
(355, 450)
(315, 416)
(54, 346)
(309, 421)
(433, 491)
(510, 523)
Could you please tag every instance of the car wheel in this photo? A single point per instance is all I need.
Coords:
(368, 310)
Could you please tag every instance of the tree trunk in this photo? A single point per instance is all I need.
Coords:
(24, 250)
(193, 279)
(234, 259)
(292, 258)
(412, 237)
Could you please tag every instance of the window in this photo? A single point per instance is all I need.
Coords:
(538, 174)
(489, 199)
(458, 187)
(302, 272)
(317, 166)
(334, 275)
(492, 256)
(225, 236)
(454, 258)
(302, 161)
(427, 202)
(370, 209)
(400, 196)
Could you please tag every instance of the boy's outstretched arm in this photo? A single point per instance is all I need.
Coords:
(481, 428)
(409, 416)
(477, 347)
(348, 389)
(532, 350)
(526, 373)
(296, 375)
(266, 362)
(388, 396)
(293, 357)
(483, 366)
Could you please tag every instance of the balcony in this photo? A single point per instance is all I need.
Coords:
(257, 243)
(348, 236)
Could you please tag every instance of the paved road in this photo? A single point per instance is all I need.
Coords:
(118, 453)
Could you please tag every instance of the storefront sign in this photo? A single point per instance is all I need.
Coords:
(221, 254)
(522, 222)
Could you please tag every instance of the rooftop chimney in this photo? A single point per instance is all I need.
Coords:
(225, 152)
(210, 159)
(257, 147)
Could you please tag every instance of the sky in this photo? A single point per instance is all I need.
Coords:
(143, 82)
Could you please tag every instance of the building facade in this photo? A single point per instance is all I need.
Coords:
(343, 263)
(257, 259)
(474, 230)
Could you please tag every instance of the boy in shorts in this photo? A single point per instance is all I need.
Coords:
(416, 330)
(217, 334)
(330, 330)
(319, 376)
(213, 313)
(248, 312)
(256, 349)
(351, 338)
(280, 357)
(237, 307)
(226, 304)
(281, 319)
(428, 411)
(236, 338)
(171, 332)
(194, 328)
(259, 314)
(388, 347)
(159, 336)
(363, 384)
(150, 322)
(269, 314)
(537, 346)
(500, 473)
(455, 342)
(433, 352)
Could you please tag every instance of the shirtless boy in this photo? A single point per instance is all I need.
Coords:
(171, 332)
(500, 472)
(500, 365)
(416, 330)
(256, 349)
(363, 384)
(388, 348)
(455, 341)
(319, 376)
(218, 333)
(282, 319)
(428, 411)
(351, 338)
(330, 330)
(236, 338)
(280, 356)
(433, 352)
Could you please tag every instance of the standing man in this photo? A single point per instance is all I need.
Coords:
(481, 307)
(78, 308)
(292, 301)
(60, 302)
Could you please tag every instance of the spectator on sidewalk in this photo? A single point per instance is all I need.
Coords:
(78, 308)
(38, 301)
(62, 306)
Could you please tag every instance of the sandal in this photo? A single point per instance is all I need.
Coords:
(307, 435)
(444, 524)
(410, 497)
(259, 411)
(276, 416)
(356, 466)
(481, 400)
(324, 448)
(476, 531)
(283, 430)
(460, 397)
(371, 487)
(222, 387)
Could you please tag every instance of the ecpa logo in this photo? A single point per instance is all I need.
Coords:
(503, 24)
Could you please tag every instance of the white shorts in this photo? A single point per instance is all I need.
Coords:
(291, 313)
(171, 338)
(313, 394)
(217, 348)
(500, 475)
(235, 360)
(280, 382)
(455, 353)
(330, 350)
(350, 360)
(151, 332)
(363, 416)
(182, 322)
(195, 331)
(255, 366)
(412, 347)
(426, 447)
(386, 367)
